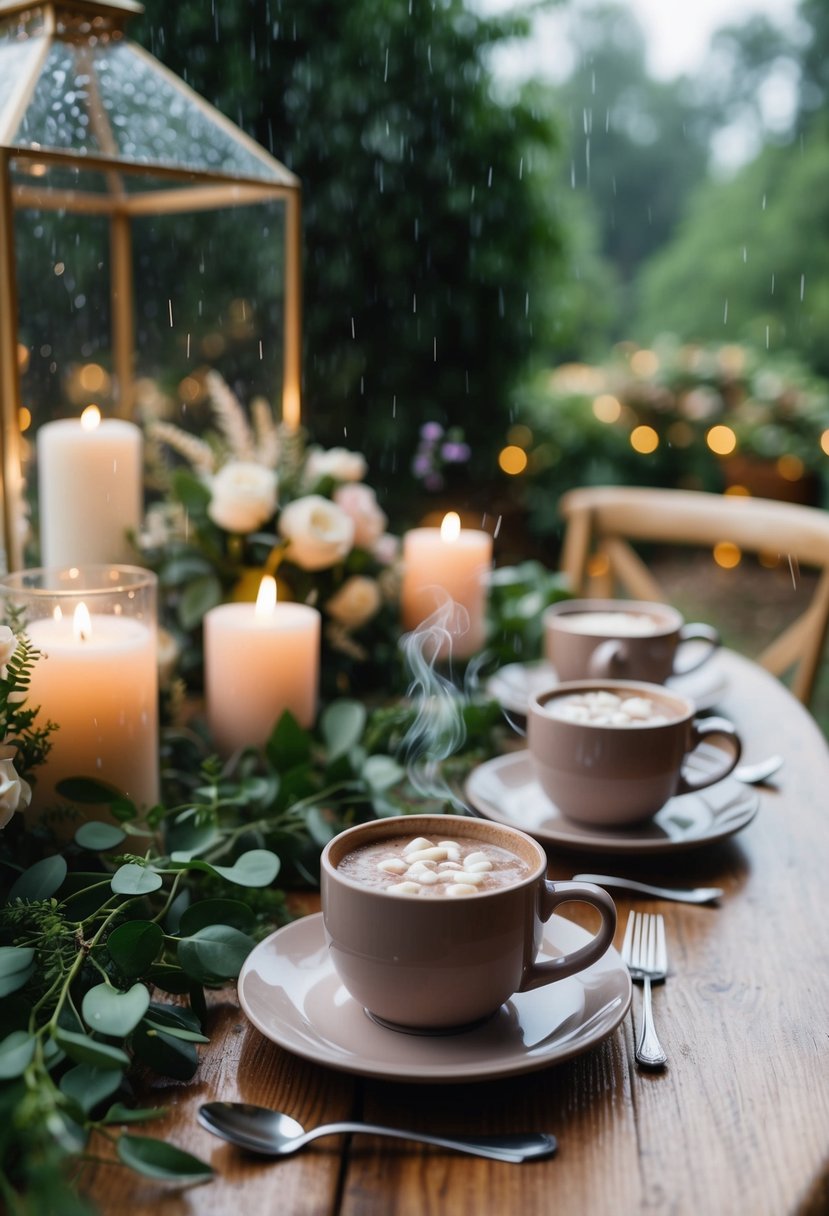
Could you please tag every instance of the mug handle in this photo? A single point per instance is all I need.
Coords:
(697, 631)
(701, 729)
(609, 660)
(552, 894)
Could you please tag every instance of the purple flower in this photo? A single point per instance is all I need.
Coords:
(421, 465)
(455, 453)
(431, 431)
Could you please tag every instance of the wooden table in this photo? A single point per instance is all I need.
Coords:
(738, 1123)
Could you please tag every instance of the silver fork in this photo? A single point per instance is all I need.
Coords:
(646, 956)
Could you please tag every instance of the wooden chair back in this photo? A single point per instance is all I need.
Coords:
(603, 521)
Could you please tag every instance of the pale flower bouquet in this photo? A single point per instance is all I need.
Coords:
(253, 498)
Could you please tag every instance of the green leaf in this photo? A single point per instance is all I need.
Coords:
(321, 827)
(85, 1050)
(134, 946)
(289, 745)
(180, 570)
(198, 598)
(98, 836)
(110, 1012)
(88, 1086)
(16, 1052)
(216, 912)
(88, 790)
(381, 772)
(342, 724)
(12, 983)
(216, 952)
(40, 881)
(190, 490)
(174, 1016)
(178, 1032)
(132, 879)
(169, 979)
(256, 868)
(158, 1159)
(187, 839)
(118, 1113)
(14, 959)
(163, 1052)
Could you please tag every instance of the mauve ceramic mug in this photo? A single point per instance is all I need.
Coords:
(428, 964)
(611, 775)
(581, 641)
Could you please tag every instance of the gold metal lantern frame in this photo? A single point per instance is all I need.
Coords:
(92, 125)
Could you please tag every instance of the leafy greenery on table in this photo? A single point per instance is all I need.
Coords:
(108, 946)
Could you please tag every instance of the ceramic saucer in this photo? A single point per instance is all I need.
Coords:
(290, 992)
(513, 685)
(505, 789)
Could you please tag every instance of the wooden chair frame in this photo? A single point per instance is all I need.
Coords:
(606, 519)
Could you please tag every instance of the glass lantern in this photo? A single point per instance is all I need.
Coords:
(143, 239)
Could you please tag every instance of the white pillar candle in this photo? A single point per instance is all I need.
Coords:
(97, 680)
(90, 491)
(259, 660)
(442, 564)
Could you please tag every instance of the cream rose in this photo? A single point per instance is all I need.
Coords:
(356, 602)
(8, 645)
(360, 503)
(244, 496)
(318, 531)
(15, 793)
(338, 463)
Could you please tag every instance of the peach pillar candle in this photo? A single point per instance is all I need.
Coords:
(90, 489)
(451, 563)
(259, 660)
(97, 680)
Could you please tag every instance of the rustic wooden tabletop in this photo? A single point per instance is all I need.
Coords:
(737, 1123)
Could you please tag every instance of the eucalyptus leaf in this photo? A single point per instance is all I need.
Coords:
(134, 946)
(158, 1159)
(14, 959)
(40, 881)
(321, 827)
(216, 952)
(85, 1050)
(132, 879)
(216, 912)
(16, 1052)
(381, 772)
(98, 837)
(288, 745)
(177, 1032)
(88, 1086)
(187, 839)
(342, 724)
(256, 868)
(198, 597)
(110, 1012)
(174, 1015)
(88, 791)
(190, 490)
(16, 981)
(163, 1052)
(118, 1113)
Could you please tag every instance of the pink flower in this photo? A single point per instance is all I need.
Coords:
(360, 504)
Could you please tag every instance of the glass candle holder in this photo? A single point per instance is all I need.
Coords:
(96, 677)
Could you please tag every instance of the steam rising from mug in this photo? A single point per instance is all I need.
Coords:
(438, 729)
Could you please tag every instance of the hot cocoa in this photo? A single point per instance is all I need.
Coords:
(452, 869)
(612, 624)
(601, 707)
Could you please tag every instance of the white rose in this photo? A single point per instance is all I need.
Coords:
(244, 496)
(360, 502)
(320, 533)
(386, 549)
(338, 463)
(15, 793)
(356, 602)
(8, 645)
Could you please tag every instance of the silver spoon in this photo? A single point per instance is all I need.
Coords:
(756, 774)
(682, 895)
(277, 1135)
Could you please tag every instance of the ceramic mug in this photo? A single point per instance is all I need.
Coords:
(430, 962)
(611, 753)
(623, 640)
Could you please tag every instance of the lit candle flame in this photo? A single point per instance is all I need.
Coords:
(82, 623)
(266, 599)
(450, 529)
(90, 418)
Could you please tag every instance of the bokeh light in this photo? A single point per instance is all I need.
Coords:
(512, 460)
(790, 468)
(727, 555)
(721, 440)
(644, 362)
(824, 441)
(520, 436)
(607, 408)
(644, 439)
